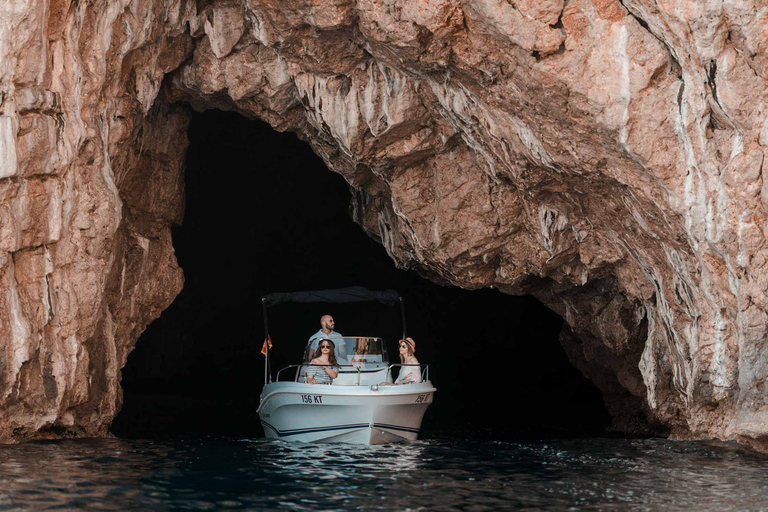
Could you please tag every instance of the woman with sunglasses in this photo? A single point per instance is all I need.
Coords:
(327, 367)
(408, 374)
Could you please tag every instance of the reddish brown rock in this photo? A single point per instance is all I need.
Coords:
(604, 156)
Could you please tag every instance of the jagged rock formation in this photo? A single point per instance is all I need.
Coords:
(604, 156)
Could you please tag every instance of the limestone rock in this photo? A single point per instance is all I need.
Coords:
(604, 156)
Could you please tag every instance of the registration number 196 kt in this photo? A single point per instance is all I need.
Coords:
(422, 399)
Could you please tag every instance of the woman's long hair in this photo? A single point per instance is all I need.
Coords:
(362, 346)
(331, 353)
(411, 348)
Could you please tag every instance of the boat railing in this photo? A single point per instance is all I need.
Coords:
(424, 369)
(304, 365)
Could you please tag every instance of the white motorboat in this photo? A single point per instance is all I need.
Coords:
(362, 405)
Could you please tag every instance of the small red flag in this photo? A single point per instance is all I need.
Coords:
(264, 347)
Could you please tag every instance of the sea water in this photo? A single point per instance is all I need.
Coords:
(442, 473)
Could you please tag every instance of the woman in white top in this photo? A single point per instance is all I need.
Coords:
(327, 368)
(408, 374)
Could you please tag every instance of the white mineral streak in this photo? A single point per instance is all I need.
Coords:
(537, 153)
(387, 97)
(143, 243)
(72, 351)
(625, 94)
(7, 147)
(108, 175)
(19, 334)
(333, 104)
(458, 109)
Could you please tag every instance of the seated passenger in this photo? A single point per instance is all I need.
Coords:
(323, 374)
(361, 350)
(408, 374)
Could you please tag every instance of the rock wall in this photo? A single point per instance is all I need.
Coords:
(91, 175)
(604, 156)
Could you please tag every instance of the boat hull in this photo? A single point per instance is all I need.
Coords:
(295, 411)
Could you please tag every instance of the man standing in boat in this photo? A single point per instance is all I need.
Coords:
(326, 332)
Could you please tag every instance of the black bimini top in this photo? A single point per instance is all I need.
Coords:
(350, 294)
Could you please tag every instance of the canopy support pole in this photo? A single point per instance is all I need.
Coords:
(402, 313)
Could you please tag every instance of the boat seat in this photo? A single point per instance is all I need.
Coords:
(371, 375)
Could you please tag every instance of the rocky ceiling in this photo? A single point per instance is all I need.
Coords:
(605, 156)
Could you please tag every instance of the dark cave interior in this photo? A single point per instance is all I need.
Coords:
(264, 214)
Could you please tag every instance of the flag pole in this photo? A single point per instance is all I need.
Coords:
(267, 376)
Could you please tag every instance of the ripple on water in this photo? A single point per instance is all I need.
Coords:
(446, 474)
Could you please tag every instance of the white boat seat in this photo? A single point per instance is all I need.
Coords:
(372, 375)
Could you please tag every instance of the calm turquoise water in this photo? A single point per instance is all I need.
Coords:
(438, 474)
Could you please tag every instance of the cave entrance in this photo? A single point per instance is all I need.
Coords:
(264, 214)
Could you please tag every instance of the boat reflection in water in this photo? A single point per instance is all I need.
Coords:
(362, 405)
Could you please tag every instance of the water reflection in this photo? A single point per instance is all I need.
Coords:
(342, 460)
(449, 474)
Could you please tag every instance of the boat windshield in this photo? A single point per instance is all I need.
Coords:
(360, 351)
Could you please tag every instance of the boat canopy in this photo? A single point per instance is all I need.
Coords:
(349, 294)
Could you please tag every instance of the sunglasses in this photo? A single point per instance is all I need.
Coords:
(325, 346)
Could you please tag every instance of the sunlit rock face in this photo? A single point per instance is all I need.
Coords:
(90, 182)
(604, 156)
